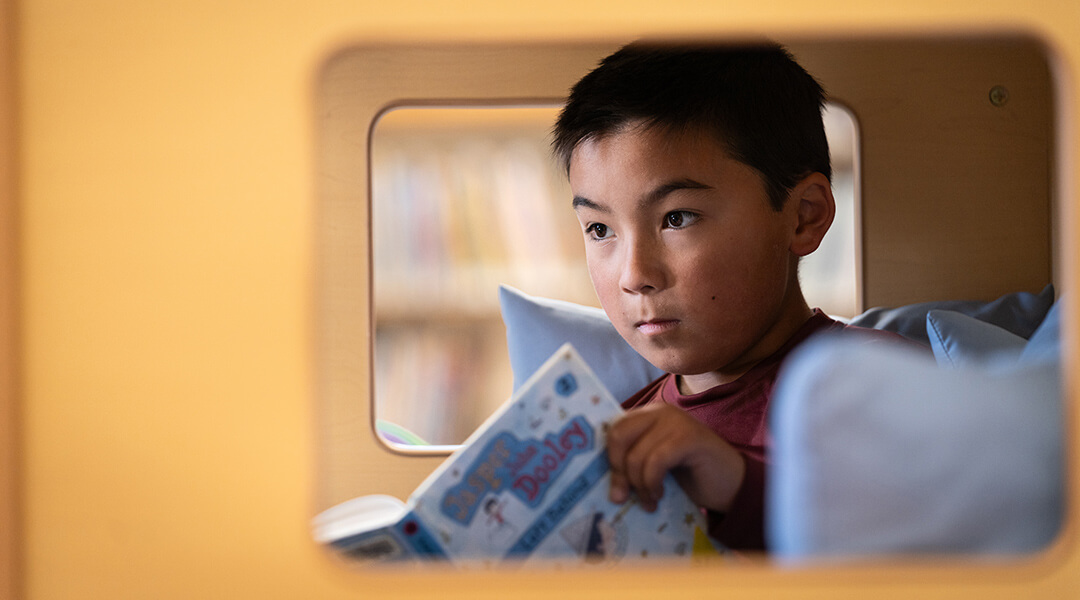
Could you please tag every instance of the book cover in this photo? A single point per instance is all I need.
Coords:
(530, 484)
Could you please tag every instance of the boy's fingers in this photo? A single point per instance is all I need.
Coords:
(624, 434)
(655, 467)
(619, 491)
(649, 460)
(640, 451)
(622, 439)
(659, 456)
(647, 444)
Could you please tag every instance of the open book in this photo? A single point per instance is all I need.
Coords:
(531, 484)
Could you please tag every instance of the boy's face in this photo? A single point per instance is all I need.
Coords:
(688, 259)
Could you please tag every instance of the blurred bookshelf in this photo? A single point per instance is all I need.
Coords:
(463, 200)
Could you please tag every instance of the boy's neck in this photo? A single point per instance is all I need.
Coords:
(772, 341)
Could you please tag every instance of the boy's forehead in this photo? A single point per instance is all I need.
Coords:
(653, 148)
(647, 164)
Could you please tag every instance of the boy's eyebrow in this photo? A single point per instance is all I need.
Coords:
(673, 186)
(655, 195)
(582, 202)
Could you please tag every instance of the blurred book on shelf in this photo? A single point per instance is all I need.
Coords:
(463, 199)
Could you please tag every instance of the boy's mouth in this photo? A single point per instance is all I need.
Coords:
(656, 326)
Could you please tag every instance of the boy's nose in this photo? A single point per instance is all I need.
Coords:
(642, 268)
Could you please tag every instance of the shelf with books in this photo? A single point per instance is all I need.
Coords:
(463, 200)
(471, 290)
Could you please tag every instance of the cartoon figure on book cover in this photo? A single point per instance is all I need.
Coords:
(596, 538)
(499, 529)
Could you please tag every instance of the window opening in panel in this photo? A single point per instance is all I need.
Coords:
(465, 199)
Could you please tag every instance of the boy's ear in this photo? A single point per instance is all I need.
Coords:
(815, 209)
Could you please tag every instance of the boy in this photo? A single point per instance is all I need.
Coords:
(700, 176)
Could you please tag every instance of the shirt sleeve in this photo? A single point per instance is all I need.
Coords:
(743, 526)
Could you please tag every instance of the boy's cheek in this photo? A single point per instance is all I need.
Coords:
(606, 287)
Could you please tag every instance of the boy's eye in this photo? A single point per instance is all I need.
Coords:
(597, 231)
(678, 219)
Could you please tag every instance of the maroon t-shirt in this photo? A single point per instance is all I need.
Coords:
(738, 412)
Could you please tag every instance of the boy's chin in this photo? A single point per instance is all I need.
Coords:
(670, 362)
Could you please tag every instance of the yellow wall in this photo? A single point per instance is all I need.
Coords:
(166, 196)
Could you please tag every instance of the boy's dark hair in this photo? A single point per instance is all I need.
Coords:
(756, 100)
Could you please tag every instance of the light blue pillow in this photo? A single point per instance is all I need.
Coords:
(908, 457)
(1045, 343)
(1019, 313)
(537, 327)
(959, 340)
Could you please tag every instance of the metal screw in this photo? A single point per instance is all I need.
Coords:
(999, 95)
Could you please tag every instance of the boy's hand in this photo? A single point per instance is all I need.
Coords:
(648, 442)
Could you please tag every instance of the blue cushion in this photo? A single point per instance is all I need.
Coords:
(1045, 343)
(959, 340)
(537, 327)
(908, 457)
(1019, 313)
